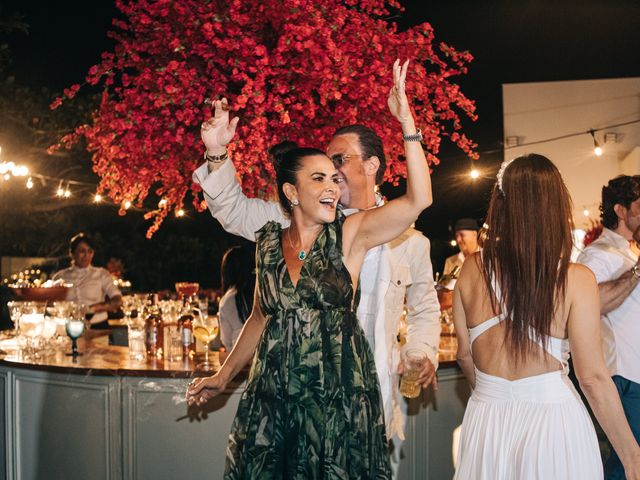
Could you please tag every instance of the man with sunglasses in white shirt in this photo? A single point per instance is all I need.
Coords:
(392, 273)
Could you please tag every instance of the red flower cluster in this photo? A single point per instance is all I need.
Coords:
(291, 69)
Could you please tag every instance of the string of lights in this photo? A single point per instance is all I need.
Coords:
(8, 170)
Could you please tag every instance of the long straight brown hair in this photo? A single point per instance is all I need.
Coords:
(528, 248)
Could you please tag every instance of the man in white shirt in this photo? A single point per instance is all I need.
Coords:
(391, 272)
(92, 286)
(466, 234)
(613, 258)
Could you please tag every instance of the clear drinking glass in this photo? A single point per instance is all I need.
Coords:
(75, 327)
(205, 329)
(413, 363)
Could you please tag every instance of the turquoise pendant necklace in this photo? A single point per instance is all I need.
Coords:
(301, 254)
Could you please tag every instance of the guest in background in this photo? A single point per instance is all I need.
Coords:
(466, 234)
(92, 286)
(238, 280)
(613, 258)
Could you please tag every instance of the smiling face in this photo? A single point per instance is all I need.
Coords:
(357, 174)
(467, 241)
(316, 189)
(82, 256)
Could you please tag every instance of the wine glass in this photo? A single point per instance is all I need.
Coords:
(187, 289)
(205, 329)
(75, 327)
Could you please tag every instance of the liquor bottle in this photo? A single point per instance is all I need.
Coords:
(154, 329)
(185, 326)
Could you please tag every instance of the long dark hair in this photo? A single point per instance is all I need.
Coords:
(528, 248)
(238, 270)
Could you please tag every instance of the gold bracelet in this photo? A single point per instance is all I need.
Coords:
(216, 158)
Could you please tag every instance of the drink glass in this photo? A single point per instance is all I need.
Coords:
(136, 335)
(74, 326)
(31, 324)
(413, 364)
(187, 289)
(205, 329)
(174, 343)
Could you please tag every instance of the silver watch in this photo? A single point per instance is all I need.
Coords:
(636, 271)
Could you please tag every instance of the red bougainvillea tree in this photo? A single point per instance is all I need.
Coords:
(291, 69)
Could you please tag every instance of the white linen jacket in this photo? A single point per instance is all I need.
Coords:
(404, 271)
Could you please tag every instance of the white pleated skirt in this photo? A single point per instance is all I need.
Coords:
(532, 428)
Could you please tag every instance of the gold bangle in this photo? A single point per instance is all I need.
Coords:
(216, 158)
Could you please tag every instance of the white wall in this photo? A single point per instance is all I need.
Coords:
(538, 111)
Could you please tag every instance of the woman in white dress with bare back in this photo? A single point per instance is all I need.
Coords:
(518, 306)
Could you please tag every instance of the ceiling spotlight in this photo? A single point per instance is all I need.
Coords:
(597, 149)
(585, 212)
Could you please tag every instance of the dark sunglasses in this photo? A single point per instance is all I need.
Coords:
(340, 159)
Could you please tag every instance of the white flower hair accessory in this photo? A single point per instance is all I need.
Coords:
(503, 167)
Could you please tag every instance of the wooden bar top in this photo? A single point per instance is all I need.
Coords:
(100, 358)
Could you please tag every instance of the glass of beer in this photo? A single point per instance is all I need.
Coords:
(413, 364)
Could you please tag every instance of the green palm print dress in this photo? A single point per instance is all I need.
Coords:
(312, 406)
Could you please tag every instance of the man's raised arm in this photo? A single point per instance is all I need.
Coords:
(227, 203)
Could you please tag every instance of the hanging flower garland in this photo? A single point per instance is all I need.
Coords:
(291, 69)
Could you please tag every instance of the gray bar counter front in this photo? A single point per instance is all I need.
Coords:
(105, 417)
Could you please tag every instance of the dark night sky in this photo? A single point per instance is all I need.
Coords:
(512, 41)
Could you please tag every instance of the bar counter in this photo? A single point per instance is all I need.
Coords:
(106, 417)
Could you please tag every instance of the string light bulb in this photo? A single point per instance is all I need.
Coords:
(585, 212)
(127, 205)
(60, 192)
(474, 174)
(29, 183)
(7, 176)
(453, 243)
(97, 198)
(67, 193)
(597, 149)
(162, 203)
(180, 213)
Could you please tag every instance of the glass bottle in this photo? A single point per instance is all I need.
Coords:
(154, 329)
(185, 326)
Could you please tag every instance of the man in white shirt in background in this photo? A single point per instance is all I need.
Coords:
(93, 287)
(466, 235)
(613, 258)
(390, 273)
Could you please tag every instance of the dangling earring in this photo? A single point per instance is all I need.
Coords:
(294, 202)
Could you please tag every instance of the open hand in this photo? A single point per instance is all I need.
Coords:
(398, 102)
(427, 374)
(202, 389)
(218, 131)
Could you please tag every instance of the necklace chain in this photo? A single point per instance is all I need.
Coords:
(301, 253)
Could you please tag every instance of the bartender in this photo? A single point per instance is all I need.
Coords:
(466, 234)
(92, 286)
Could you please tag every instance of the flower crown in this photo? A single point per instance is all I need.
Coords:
(503, 167)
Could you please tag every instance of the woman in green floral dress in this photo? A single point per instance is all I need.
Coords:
(312, 406)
